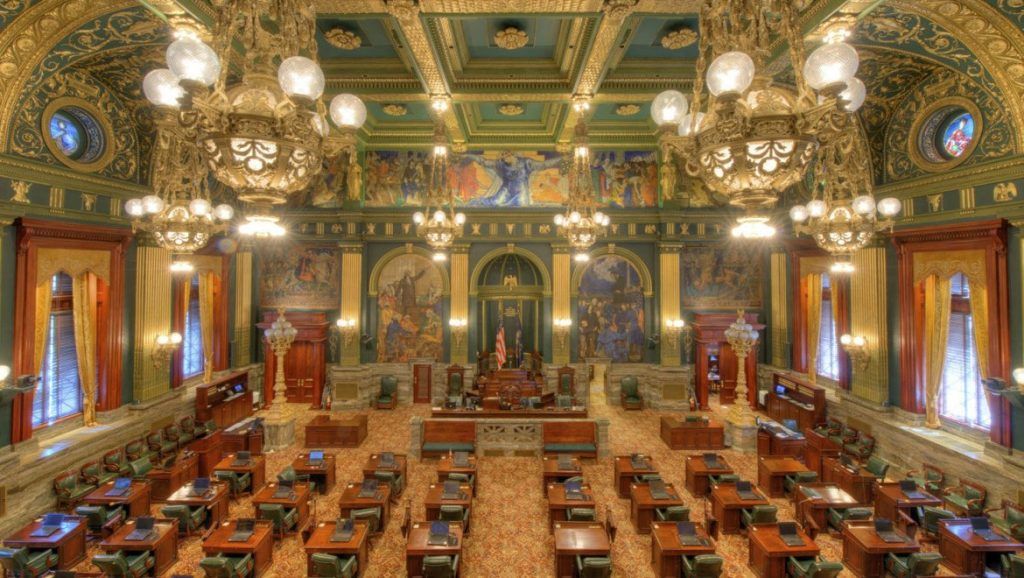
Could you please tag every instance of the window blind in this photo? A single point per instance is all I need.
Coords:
(961, 396)
(828, 345)
(192, 338)
(58, 394)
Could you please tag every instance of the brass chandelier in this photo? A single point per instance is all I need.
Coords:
(265, 135)
(581, 224)
(439, 225)
(755, 140)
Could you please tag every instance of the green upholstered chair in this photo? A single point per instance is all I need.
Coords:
(454, 513)
(1012, 566)
(22, 563)
(931, 478)
(672, 514)
(455, 385)
(565, 384)
(968, 498)
(913, 565)
(140, 468)
(395, 480)
(563, 401)
(115, 462)
(534, 402)
(371, 515)
(629, 392)
(759, 515)
(581, 514)
(646, 478)
(793, 480)
(289, 475)
(693, 418)
(70, 489)
(836, 518)
(94, 473)
(717, 480)
(929, 517)
(137, 449)
(173, 433)
(238, 483)
(222, 566)
(878, 467)
(210, 426)
(1012, 521)
(189, 518)
(188, 426)
(830, 427)
(98, 517)
(574, 479)
(702, 566)
(159, 445)
(388, 397)
(862, 447)
(845, 436)
(440, 566)
(118, 565)
(593, 566)
(331, 566)
(284, 519)
(469, 479)
(812, 568)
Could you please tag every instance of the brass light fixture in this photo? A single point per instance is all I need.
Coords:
(165, 346)
(348, 328)
(856, 346)
(581, 224)
(440, 225)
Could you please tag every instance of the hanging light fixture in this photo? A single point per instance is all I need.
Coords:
(266, 135)
(755, 140)
(440, 225)
(581, 223)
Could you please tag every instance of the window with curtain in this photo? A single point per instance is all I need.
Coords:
(828, 343)
(961, 395)
(58, 393)
(192, 336)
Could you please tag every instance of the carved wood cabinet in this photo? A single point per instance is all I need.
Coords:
(305, 364)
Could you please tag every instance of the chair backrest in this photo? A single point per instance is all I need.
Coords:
(677, 513)
(188, 424)
(764, 514)
(388, 384)
(807, 476)
(563, 401)
(824, 569)
(272, 512)
(628, 386)
(114, 457)
(66, 481)
(924, 563)
(707, 566)
(178, 512)
(455, 384)
(596, 567)
(371, 514)
(216, 567)
(112, 564)
(451, 513)
(13, 560)
(287, 475)
(171, 432)
(141, 467)
(95, 516)
(459, 477)
(565, 384)
(877, 466)
(90, 469)
(583, 514)
(438, 567)
(326, 565)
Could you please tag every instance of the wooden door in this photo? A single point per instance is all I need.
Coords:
(421, 383)
(299, 369)
(730, 369)
(305, 364)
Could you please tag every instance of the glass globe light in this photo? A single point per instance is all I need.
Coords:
(669, 107)
(831, 64)
(854, 95)
(175, 338)
(730, 73)
(846, 339)
(162, 339)
(859, 341)
(301, 77)
(1018, 375)
(152, 204)
(864, 205)
(224, 212)
(798, 214)
(199, 207)
(559, 219)
(439, 216)
(418, 218)
(599, 218)
(347, 111)
(816, 208)
(162, 89)
(460, 218)
(889, 207)
(192, 60)
(574, 217)
(134, 208)
(691, 125)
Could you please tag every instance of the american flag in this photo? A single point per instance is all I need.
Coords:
(499, 346)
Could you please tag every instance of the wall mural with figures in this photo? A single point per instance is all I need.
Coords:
(409, 310)
(302, 277)
(610, 311)
(723, 276)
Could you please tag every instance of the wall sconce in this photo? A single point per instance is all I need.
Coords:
(348, 328)
(458, 327)
(673, 329)
(562, 327)
(166, 345)
(856, 346)
(1018, 377)
(5, 372)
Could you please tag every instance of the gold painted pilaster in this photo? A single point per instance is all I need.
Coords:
(243, 309)
(153, 306)
(780, 310)
(459, 348)
(351, 298)
(561, 304)
(868, 304)
(670, 299)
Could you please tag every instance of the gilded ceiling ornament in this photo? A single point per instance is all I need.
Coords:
(20, 189)
(395, 109)
(627, 109)
(1005, 192)
(679, 38)
(88, 202)
(511, 38)
(343, 39)
(511, 109)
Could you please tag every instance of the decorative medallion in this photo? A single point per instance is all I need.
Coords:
(511, 109)
(343, 39)
(511, 38)
(679, 39)
(20, 189)
(395, 109)
(627, 109)
(1004, 192)
(945, 133)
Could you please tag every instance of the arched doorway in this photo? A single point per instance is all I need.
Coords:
(510, 301)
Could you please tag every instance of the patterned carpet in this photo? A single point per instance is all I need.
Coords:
(509, 518)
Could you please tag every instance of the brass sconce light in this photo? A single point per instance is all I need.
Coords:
(856, 346)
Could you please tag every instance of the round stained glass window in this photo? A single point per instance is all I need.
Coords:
(67, 134)
(76, 133)
(946, 133)
(957, 135)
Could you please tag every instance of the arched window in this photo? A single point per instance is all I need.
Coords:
(59, 393)
(192, 336)
(828, 342)
(961, 396)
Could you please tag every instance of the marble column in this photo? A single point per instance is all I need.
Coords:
(561, 304)
(153, 305)
(869, 319)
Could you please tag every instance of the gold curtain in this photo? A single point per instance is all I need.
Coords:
(937, 304)
(85, 342)
(979, 318)
(44, 300)
(207, 284)
(813, 281)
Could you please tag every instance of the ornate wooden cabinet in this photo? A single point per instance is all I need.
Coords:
(709, 335)
(305, 364)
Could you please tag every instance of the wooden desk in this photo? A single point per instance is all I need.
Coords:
(815, 509)
(325, 432)
(624, 472)
(553, 475)
(697, 473)
(803, 401)
(967, 553)
(136, 501)
(209, 448)
(768, 553)
(435, 499)
(260, 545)
(726, 506)
(416, 547)
(243, 438)
(300, 501)
(514, 413)
(666, 548)
(163, 545)
(324, 475)
(350, 500)
(859, 484)
(772, 472)
(163, 481)
(692, 435)
(578, 539)
(447, 466)
(817, 448)
(319, 542)
(373, 464)
(889, 500)
(642, 505)
(864, 552)
(256, 467)
(68, 542)
(775, 444)
(216, 502)
(558, 503)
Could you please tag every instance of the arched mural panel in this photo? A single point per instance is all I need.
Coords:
(610, 310)
(409, 309)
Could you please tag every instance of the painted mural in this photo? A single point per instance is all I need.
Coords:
(510, 179)
(409, 310)
(301, 277)
(722, 277)
(610, 311)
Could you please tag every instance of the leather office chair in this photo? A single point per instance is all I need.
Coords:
(1012, 521)
(836, 518)
(563, 401)
(629, 389)
(455, 513)
(758, 515)
(462, 478)
(189, 518)
(94, 473)
(120, 566)
(440, 566)
(137, 449)
(372, 517)
(702, 566)
(967, 499)
(159, 445)
(594, 566)
(862, 448)
(21, 562)
(931, 478)
(717, 480)
(792, 480)
(646, 478)
(394, 480)
(916, 564)
(581, 515)
(222, 566)
(239, 483)
(140, 468)
(878, 467)
(1012, 566)
(928, 518)
(284, 519)
(100, 518)
(288, 475)
(388, 397)
(115, 461)
(70, 489)
(672, 514)
(188, 427)
(173, 433)
(812, 568)
(331, 566)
